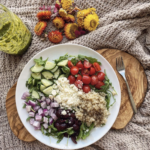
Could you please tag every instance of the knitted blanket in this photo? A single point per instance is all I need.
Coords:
(124, 25)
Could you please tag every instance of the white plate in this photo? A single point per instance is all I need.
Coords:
(53, 53)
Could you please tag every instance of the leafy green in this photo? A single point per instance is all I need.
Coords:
(66, 56)
(90, 59)
(74, 61)
(42, 129)
(60, 137)
(52, 127)
(28, 118)
(24, 106)
(85, 131)
(66, 70)
(40, 61)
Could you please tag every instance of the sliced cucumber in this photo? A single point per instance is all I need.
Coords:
(56, 74)
(37, 68)
(55, 81)
(47, 75)
(62, 63)
(55, 69)
(62, 75)
(35, 95)
(46, 82)
(49, 65)
(36, 75)
(48, 90)
(33, 81)
(42, 87)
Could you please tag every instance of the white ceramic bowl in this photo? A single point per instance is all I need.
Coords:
(54, 52)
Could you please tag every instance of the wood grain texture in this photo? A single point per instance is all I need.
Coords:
(14, 121)
(137, 82)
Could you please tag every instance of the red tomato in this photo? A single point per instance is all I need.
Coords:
(79, 65)
(94, 80)
(79, 77)
(97, 66)
(78, 84)
(74, 70)
(99, 84)
(71, 79)
(70, 64)
(85, 72)
(87, 64)
(86, 88)
(101, 76)
(92, 71)
(86, 79)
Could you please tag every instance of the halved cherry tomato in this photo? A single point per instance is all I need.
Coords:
(99, 84)
(86, 88)
(71, 79)
(92, 71)
(101, 76)
(78, 84)
(85, 72)
(97, 66)
(87, 64)
(94, 80)
(79, 77)
(86, 79)
(79, 65)
(70, 64)
(74, 70)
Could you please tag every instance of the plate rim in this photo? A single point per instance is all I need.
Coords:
(69, 44)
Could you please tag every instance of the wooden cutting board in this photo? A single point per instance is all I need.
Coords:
(137, 81)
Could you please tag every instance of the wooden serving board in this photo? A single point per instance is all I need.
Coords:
(14, 121)
(137, 81)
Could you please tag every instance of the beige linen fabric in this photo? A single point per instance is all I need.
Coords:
(124, 25)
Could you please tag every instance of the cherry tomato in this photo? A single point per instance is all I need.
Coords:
(101, 76)
(71, 79)
(86, 88)
(85, 72)
(86, 79)
(94, 80)
(97, 66)
(74, 70)
(79, 77)
(92, 71)
(70, 64)
(79, 65)
(99, 84)
(87, 64)
(78, 84)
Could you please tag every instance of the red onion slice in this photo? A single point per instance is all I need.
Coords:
(28, 108)
(45, 125)
(31, 114)
(38, 117)
(51, 111)
(43, 104)
(36, 124)
(46, 112)
(40, 111)
(54, 116)
(54, 104)
(45, 119)
(25, 95)
(48, 101)
(32, 103)
(48, 107)
(50, 121)
(36, 108)
(31, 121)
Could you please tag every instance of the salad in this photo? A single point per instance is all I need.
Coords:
(68, 97)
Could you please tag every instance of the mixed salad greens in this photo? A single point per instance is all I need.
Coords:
(44, 112)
